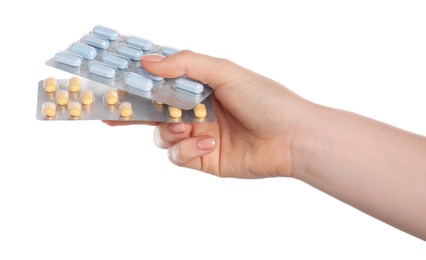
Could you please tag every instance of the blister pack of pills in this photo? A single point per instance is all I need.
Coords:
(106, 56)
(82, 99)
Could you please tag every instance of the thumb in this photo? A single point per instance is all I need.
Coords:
(209, 70)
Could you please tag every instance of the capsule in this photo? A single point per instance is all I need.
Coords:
(74, 84)
(105, 32)
(74, 109)
(85, 51)
(139, 43)
(175, 112)
(129, 52)
(138, 81)
(62, 97)
(68, 58)
(49, 109)
(200, 111)
(96, 41)
(166, 51)
(50, 85)
(189, 85)
(150, 75)
(102, 70)
(116, 61)
(111, 97)
(125, 109)
(87, 97)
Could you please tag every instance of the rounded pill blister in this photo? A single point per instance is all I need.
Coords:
(96, 41)
(125, 109)
(87, 97)
(62, 97)
(189, 85)
(129, 52)
(74, 109)
(200, 111)
(50, 85)
(137, 81)
(102, 70)
(111, 97)
(105, 32)
(116, 61)
(49, 109)
(68, 58)
(175, 112)
(140, 43)
(74, 84)
(85, 51)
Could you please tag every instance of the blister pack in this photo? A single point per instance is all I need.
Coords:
(82, 99)
(106, 56)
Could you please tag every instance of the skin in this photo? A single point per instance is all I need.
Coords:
(372, 166)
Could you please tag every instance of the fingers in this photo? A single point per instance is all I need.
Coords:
(206, 69)
(183, 149)
(188, 152)
(166, 134)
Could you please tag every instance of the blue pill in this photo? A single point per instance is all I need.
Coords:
(68, 58)
(116, 61)
(150, 75)
(129, 52)
(96, 41)
(168, 51)
(189, 85)
(139, 43)
(138, 81)
(85, 51)
(101, 69)
(105, 32)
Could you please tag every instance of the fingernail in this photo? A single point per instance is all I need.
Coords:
(206, 143)
(177, 128)
(152, 58)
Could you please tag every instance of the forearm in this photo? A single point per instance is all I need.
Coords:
(372, 166)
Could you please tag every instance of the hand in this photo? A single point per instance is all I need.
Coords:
(256, 119)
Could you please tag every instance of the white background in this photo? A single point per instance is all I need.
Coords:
(83, 190)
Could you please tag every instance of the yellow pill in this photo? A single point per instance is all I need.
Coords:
(74, 109)
(62, 97)
(200, 110)
(87, 97)
(175, 112)
(158, 102)
(74, 84)
(49, 109)
(50, 85)
(111, 97)
(125, 109)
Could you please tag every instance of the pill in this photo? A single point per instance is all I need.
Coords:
(101, 69)
(61, 97)
(49, 109)
(85, 51)
(74, 109)
(150, 75)
(87, 97)
(68, 58)
(111, 97)
(200, 110)
(105, 32)
(50, 85)
(74, 84)
(125, 109)
(138, 81)
(158, 102)
(175, 112)
(139, 43)
(96, 41)
(129, 52)
(116, 61)
(189, 85)
(168, 51)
